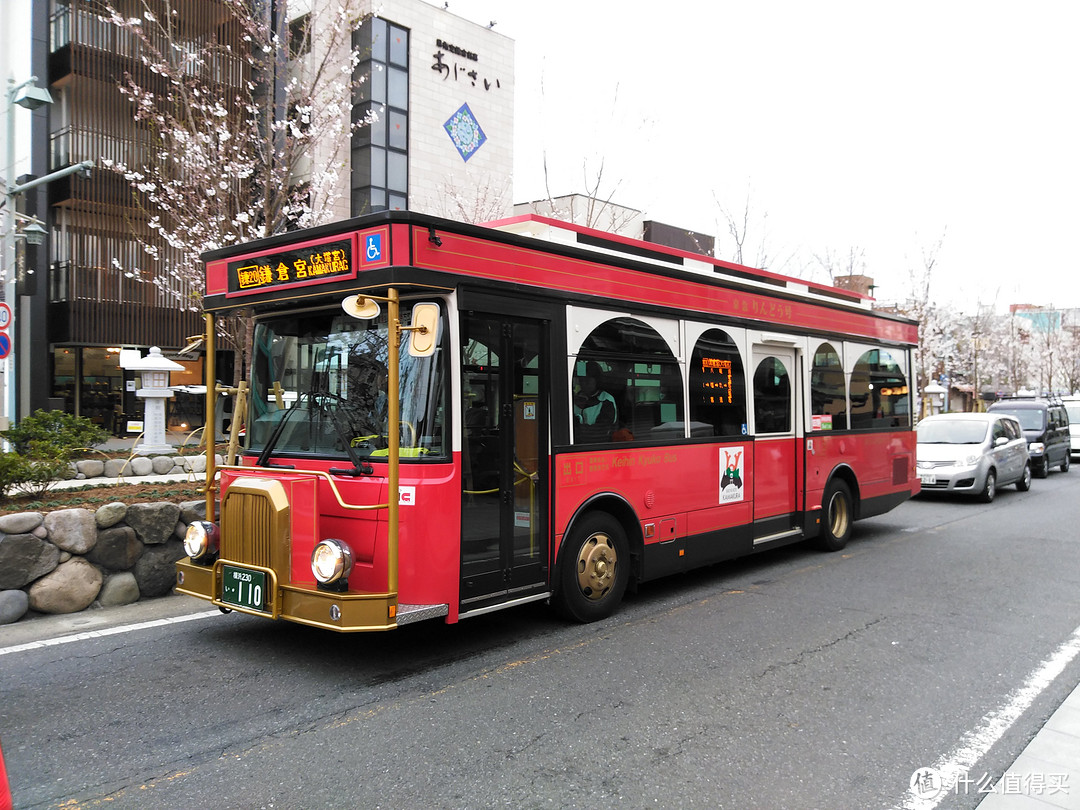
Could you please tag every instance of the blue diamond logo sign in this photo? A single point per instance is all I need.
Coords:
(464, 130)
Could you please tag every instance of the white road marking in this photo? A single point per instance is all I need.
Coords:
(993, 726)
(108, 631)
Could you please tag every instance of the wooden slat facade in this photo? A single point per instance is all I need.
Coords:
(103, 288)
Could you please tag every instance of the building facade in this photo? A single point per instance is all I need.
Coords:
(440, 89)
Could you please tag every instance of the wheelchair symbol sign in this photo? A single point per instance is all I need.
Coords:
(373, 247)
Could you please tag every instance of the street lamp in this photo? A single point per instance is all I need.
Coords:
(34, 234)
(28, 95)
(32, 97)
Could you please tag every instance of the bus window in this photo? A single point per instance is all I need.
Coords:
(879, 392)
(828, 394)
(717, 387)
(319, 381)
(772, 397)
(636, 376)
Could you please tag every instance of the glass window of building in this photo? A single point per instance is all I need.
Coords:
(380, 177)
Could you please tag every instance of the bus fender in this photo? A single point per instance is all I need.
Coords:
(812, 517)
(620, 509)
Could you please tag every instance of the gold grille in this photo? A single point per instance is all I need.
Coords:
(254, 520)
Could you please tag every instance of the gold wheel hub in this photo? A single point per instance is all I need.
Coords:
(839, 516)
(596, 566)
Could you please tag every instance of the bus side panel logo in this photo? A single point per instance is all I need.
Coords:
(731, 479)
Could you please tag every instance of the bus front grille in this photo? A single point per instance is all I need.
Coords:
(254, 522)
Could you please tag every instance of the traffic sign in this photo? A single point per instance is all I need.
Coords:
(5, 345)
(5, 315)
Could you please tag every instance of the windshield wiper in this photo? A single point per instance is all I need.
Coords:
(271, 442)
(358, 466)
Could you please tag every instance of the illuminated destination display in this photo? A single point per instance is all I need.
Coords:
(307, 265)
(716, 380)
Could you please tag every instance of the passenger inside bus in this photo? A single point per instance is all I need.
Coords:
(595, 414)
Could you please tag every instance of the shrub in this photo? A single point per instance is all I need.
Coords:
(50, 434)
(43, 445)
(12, 469)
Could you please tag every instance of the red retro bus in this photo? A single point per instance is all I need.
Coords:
(447, 419)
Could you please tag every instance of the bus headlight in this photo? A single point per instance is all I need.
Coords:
(331, 561)
(201, 541)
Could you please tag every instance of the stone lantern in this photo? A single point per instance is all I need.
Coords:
(154, 370)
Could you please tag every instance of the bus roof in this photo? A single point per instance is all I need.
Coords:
(569, 233)
(571, 261)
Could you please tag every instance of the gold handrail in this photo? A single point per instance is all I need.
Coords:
(319, 473)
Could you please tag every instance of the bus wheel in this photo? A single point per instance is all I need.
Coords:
(594, 569)
(837, 516)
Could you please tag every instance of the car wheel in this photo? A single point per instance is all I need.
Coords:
(837, 516)
(1042, 470)
(989, 489)
(594, 568)
(1065, 464)
(1024, 484)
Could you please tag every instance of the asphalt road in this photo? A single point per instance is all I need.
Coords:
(794, 679)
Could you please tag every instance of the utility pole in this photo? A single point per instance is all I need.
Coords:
(28, 95)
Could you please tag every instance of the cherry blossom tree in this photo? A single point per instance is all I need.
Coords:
(1070, 366)
(248, 128)
(936, 352)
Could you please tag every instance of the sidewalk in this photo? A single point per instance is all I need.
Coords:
(1047, 773)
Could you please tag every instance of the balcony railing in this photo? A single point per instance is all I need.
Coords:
(73, 144)
(96, 31)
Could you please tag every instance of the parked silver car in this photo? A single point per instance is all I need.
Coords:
(972, 453)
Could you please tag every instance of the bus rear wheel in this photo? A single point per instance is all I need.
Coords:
(837, 516)
(594, 569)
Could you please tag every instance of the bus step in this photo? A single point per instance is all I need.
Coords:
(407, 614)
(773, 538)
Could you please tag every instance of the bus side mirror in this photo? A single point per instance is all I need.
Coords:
(424, 330)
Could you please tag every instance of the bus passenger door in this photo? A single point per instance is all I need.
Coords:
(776, 431)
(503, 459)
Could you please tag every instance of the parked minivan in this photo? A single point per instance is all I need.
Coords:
(1072, 408)
(1046, 428)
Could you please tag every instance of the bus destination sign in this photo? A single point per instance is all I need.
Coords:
(307, 265)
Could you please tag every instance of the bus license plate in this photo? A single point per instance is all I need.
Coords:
(243, 588)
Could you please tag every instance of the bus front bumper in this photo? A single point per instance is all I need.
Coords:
(344, 612)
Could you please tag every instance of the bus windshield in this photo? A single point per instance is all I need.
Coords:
(319, 388)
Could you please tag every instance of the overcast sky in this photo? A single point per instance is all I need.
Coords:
(851, 125)
(880, 127)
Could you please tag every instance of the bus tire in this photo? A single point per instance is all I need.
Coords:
(594, 568)
(837, 516)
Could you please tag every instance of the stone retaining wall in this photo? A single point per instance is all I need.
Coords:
(68, 560)
(140, 465)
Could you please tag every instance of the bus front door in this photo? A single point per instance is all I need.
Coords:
(503, 459)
(776, 429)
